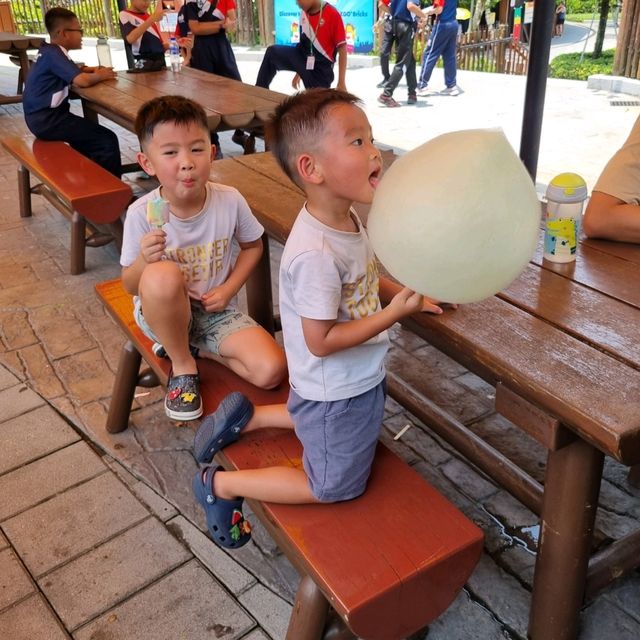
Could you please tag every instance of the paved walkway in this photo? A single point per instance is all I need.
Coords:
(99, 535)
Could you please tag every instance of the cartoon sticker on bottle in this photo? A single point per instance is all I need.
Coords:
(295, 33)
(561, 237)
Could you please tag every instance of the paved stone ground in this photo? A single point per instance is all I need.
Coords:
(99, 534)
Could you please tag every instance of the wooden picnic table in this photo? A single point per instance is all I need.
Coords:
(562, 346)
(229, 104)
(16, 45)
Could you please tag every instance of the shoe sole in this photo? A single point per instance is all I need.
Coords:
(389, 106)
(207, 444)
(183, 416)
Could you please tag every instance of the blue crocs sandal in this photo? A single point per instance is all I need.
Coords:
(222, 427)
(225, 521)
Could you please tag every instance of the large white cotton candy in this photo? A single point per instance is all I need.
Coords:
(458, 218)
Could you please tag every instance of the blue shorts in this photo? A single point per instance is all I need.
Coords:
(206, 330)
(339, 441)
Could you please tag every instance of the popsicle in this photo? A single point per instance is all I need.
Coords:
(157, 212)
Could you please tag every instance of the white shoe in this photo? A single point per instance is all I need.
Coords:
(451, 91)
(425, 91)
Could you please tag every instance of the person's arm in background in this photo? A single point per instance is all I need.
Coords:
(205, 28)
(612, 212)
(610, 218)
(186, 45)
(342, 67)
(138, 32)
(231, 21)
(435, 9)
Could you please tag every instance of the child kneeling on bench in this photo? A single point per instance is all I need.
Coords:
(180, 268)
(334, 328)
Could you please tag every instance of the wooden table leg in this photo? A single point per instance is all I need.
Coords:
(24, 69)
(572, 485)
(88, 112)
(259, 292)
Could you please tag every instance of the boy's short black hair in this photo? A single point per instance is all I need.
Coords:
(298, 125)
(177, 109)
(56, 17)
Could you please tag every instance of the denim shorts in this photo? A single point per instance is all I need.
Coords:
(207, 330)
(339, 441)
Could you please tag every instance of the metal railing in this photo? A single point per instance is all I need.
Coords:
(492, 50)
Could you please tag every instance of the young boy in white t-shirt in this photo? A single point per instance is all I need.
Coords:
(182, 273)
(333, 326)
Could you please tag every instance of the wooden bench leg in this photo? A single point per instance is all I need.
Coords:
(78, 236)
(124, 389)
(336, 629)
(309, 612)
(24, 192)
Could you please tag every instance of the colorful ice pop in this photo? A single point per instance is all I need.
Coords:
(157, 212)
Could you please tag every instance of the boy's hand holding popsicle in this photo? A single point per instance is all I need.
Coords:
(152, 244)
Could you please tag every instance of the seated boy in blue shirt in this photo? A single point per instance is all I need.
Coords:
(333, 326)
(46, 94)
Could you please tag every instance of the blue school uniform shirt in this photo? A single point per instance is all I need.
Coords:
(398, 10)
(47, 85)
(149, 45)
(449, 9)
(182, 28)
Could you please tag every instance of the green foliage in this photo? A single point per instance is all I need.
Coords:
(569, 67)
(582, 6)
(587, 18)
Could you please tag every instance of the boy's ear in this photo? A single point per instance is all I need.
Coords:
(308, 169)
(145, 163)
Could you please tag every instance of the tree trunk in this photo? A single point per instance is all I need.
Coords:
(626, 47)
(602, 25)
(479, 7)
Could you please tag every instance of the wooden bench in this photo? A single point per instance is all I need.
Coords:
(79, 188)
(387, 563)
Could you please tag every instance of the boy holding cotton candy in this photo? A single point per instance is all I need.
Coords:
(182, 273)
(333, 326)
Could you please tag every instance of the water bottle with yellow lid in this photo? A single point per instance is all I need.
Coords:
(566, 195)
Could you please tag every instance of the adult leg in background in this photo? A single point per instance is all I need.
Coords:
(403, 32)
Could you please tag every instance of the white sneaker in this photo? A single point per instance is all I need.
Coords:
(425, 91)
(451, 91)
